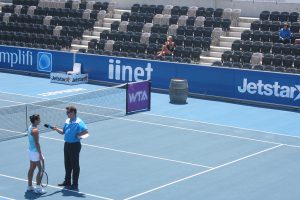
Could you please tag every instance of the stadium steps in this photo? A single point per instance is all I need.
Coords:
(219, 49)
(78, 46)
(247, 19)
(120, 11)
(208, 59)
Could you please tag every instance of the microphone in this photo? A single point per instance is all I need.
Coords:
(48, 126)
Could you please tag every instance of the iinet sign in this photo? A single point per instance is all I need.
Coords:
(274, 89)
(119, 71)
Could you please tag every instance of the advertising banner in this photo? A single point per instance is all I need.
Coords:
(138, 96)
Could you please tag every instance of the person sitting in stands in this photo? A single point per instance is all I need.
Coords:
(285, 34)
(167, 48)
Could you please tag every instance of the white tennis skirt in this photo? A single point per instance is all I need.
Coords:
(34, 156)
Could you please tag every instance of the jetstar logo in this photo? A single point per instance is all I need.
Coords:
(275, 89)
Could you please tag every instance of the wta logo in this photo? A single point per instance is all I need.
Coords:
(138, 96)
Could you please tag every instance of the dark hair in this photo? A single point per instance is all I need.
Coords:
(34, 117)
(72, 109)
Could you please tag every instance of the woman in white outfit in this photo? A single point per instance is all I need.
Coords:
(35, 155)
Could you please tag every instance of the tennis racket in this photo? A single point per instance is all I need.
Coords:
(44, 175)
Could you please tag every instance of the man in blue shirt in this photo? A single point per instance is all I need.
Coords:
(285, 34)
(73, 129)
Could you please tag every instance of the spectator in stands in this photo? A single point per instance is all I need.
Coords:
(285, 34)
(167, 48)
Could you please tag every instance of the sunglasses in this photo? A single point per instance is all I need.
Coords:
(68, 112)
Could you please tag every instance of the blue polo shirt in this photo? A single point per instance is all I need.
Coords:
(72, 128)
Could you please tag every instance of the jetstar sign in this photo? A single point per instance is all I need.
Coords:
(275, 89)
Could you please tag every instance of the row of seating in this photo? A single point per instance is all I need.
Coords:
(266, 47)
(31, 45)
(264, 36)
(135, 47)
(177, 10)
(279, 16)
(268, 59)
(64, 41)
(164, 29)
(30, 19)
(26, 2)
(26, 28)
(176, 19)
(135, 55)
(89, 5)
(155, 38)
(257, 67)
(59, 12)
(273, 26)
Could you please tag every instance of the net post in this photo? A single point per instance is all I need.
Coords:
(126, 98)
(26, 113)
(149, 98)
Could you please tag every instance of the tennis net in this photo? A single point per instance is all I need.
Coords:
(91, 107)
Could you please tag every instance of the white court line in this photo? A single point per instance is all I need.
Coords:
(17, 103)
(6, 198)
(56, 187)
(203, 172)
(133, 153)
(268, 132)
(202, 122)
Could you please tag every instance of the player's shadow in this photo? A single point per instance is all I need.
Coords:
(64, 192)
(31, 195)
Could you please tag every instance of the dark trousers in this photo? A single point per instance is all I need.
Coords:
(71, 153)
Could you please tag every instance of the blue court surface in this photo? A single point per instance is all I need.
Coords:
(203, 150)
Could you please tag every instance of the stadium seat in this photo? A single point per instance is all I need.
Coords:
(266, 48)
(206, 43)
(236, 45)
(288, 61)
(197, 42)
(255, 25)
(216, 64)
(297, 62)
(188, 42)
(265, 25)
(280, 69)
(178, 51)
(246, 35)
(218, 12)
(274, 16)
(258, 67)
(196, 52)
(247, 66)
(264, 15)
(283, 16)
(226, 56)
(269, 68)
(227, 64)
(277, 60)
(291, 70)
(246, 58)
(293, 16)
(236, 56)
(267, 59)
(256, 35)
(266, 36)
(277, 48)
(275, 26)
(237, 65)
(256, 46)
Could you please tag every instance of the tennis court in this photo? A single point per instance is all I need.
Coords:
(201, 150)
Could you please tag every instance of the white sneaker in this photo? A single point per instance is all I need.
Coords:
(39, 190)
(30, 188)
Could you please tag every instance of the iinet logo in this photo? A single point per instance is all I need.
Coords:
(275, 89)
(138, 96)
(117, 71)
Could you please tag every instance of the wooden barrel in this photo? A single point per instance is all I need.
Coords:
(178, 91)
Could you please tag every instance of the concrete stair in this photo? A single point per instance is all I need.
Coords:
(120, 11)
(208, 59)
(78, 46)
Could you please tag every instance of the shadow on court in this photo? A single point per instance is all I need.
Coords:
(63, 192)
